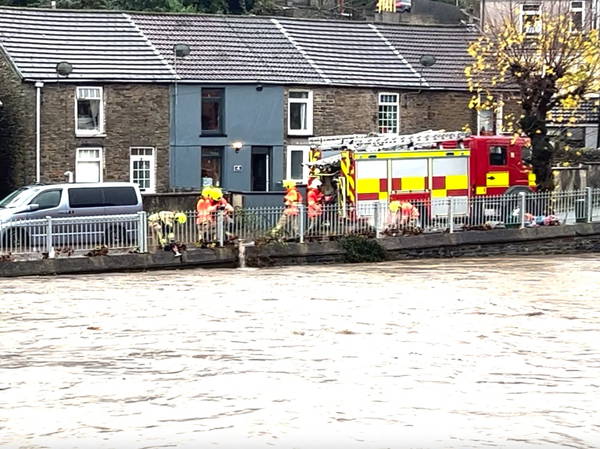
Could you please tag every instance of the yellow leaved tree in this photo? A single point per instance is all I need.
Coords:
(547, 59)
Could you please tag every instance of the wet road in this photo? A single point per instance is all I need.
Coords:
(464, 353)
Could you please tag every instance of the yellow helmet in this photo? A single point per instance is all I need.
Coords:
(216, 193)
(206, 191)
(394, 206)
(180, 217)
(288, 183)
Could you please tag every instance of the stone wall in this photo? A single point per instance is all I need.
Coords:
(338, 110)
(135, 116)
(17, 129)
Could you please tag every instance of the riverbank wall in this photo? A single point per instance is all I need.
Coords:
(584, 237)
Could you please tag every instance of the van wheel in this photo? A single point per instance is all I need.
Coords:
(16, 240)
(117, 236)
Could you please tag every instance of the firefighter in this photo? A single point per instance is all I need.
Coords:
(291, 201)
(402, 215)
(163, 228)
(314, 198)
(205, 209)
(221, 204)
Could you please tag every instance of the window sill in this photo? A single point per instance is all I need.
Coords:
(78, 134)
(299, 134)
(212, 135)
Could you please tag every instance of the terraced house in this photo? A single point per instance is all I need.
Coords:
(175, 102)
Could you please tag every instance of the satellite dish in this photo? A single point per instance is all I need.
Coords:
(64, 68)
(181, 50)
(427, 60)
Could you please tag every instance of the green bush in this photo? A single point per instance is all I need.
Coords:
(362, 249)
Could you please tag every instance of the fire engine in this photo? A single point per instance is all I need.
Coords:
(426, 167)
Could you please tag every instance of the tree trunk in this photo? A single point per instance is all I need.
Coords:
(542, 151)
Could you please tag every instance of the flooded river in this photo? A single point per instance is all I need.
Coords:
(463, 353)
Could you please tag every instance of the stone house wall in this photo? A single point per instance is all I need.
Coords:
(17, 129)
(136, 115)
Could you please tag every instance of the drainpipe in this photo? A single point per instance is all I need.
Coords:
(38, 131)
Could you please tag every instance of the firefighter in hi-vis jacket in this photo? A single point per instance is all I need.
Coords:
(209, 203)
(289, 218)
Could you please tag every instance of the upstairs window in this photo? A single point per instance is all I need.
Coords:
(531, 19)
(388, 113)
(213, 105)
(300, 113)
(577, 11)
(90, 113)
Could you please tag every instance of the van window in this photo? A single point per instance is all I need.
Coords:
(90, 197)
(47, 199)
(119, 196)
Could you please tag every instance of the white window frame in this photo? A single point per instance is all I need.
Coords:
(537, 30)
(580, 9)
(309, 113)
(145, 157)
(288, 166)
(497, 119)
(89, 132)
(395, 103)
(100, 159)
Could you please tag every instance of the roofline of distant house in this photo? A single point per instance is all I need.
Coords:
(408, 87)
(247, 16)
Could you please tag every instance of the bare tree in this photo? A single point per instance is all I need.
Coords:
(549, 56)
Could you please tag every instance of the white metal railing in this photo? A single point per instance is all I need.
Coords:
(73, 235)
(377, 219)
(78, 235)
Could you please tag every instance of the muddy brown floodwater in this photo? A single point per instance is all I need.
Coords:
(463, 353)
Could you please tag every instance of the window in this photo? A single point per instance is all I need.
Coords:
(297, 155)
(88, 165)
(497, 155)
(85, 198)
(90, 114)
(531, 19)
(47, 199)
(119, 196)
(212, 158)
(141, 168)
(388, 113)
(212, 111)
(577, 14)
(102, 196)
(490, 121)
(300, 112)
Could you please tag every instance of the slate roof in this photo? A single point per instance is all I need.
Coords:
(117, 46)
(228, 48)
(588, 112)
(99, 45)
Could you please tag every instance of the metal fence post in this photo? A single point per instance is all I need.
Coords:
(451, 215)
(588, 203)
(220, 230)
(376, 216)
(142, 233)
(301, 223)
(522, 196)
(49, 239)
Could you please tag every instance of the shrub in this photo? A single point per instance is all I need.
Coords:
(362, 249)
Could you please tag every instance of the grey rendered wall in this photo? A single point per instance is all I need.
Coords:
(252, 116)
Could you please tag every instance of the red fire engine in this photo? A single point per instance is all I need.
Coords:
(428, 166)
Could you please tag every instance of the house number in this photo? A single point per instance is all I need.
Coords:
(237, 168)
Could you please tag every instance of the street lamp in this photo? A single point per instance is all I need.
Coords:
(425, 61)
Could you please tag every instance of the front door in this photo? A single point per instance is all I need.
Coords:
(260, 169)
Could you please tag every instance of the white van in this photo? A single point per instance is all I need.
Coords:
(68, 200)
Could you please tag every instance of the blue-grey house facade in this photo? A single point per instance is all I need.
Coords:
(229, 136)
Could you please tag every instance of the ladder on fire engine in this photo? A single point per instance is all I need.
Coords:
(378, 142)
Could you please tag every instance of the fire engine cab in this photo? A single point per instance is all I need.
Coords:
(429, 166)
